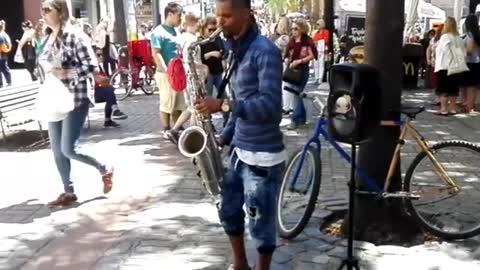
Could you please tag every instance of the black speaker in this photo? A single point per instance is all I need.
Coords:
(354, 103)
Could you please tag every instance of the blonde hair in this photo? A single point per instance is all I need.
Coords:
(191, 19)
(302, 24)
(283, 26)
(450, 26)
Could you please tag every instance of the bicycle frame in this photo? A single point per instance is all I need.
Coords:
(370, 181)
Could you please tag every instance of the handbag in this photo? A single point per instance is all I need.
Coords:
(293, 76)
(18, 58)
(54, 100)
(457, 64)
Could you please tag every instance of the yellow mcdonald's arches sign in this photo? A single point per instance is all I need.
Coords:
(409, 67)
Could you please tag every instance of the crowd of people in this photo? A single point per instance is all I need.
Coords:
(453, 66)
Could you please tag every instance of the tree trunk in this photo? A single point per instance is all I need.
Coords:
(381, 221)
(120, 23)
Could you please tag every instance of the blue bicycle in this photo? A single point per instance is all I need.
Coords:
(441, 187)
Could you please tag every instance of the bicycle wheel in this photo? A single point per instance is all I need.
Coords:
(148, 82)
(292, 216)
(121, 81)
(441, 210)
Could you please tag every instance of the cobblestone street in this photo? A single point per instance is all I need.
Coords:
(158, 215)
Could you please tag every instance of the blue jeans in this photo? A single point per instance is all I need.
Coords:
(63, 136)
(256, 187)
(216, 80)
(299, 115)
(106, 94)
(5, 70)
(213, 80)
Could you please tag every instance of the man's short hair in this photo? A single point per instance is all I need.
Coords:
(174, 8)
(239, 4)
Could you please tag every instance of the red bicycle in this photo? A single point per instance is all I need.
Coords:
(137, 74)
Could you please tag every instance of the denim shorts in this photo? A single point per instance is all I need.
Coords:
(256, 187)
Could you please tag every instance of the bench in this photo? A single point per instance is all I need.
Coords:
(17, 106)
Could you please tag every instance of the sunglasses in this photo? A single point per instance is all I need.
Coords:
(46, 10)
(212, 29)
(99, 55)
(295, 28)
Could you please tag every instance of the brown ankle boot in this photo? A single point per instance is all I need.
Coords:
(64, 199)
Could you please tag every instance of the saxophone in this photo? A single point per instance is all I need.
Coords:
(198, 141)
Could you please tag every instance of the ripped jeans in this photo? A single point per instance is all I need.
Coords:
(256, 187)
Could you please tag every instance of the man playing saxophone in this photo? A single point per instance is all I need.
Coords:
(257, 151)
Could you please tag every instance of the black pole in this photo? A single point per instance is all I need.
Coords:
(156, 20)
(351, 262)
(328, 17)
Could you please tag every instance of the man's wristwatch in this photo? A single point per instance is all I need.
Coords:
(225, 105)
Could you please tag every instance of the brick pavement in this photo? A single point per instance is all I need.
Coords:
(159, 216)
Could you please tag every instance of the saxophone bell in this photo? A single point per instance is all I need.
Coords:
(192, 141)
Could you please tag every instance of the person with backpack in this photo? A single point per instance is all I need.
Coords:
(188, 37)
(170, 74)
(5, 48)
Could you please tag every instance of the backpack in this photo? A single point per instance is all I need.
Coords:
(176, 73)
(4, 46)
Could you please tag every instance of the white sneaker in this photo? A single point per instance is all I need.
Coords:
(165, 134)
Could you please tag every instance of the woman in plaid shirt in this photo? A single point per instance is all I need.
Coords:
(65, 54)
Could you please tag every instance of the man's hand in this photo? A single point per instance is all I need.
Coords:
(208, 105)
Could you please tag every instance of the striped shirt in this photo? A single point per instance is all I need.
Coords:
(73, 54)
(257, 87)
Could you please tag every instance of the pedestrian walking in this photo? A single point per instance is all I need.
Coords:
(166, 44)
(471, 78)
(66, 56)
(283, 32)
(322, 41)
(431, 57)
(103, 41)
(5, 48)
(257, 154)
(301, 50)
(449, 65)
(26, 46)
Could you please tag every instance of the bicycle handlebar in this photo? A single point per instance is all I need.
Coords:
(314, 98)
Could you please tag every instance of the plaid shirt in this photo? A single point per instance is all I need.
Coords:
(74, 55)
